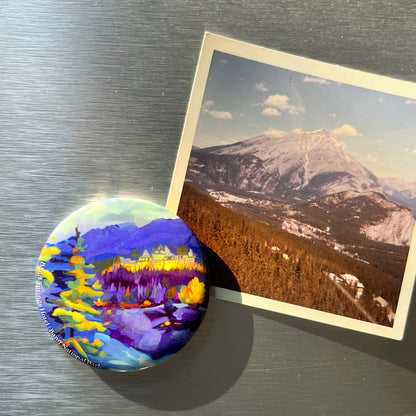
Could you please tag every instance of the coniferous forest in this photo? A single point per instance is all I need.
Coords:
(266, 261)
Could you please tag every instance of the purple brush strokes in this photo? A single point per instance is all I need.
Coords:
(122, 239)
(143, 329)
(139, 328)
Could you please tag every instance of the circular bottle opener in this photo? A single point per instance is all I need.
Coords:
(122, 284)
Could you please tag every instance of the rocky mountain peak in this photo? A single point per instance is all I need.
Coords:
(313, 163)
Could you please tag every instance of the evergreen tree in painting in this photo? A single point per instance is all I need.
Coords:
(76, 309)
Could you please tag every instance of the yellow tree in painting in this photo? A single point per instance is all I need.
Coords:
(76, 308)
(193, 293)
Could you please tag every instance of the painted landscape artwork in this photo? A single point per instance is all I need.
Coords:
(304, 186)
(122, 284)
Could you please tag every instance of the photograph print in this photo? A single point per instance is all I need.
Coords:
(303, 184)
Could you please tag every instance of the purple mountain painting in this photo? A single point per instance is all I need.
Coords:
(123, 296)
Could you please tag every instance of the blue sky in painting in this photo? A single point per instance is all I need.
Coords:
(245, 98)
(108, 212)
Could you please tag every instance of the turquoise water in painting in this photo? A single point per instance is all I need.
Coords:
(122, 296)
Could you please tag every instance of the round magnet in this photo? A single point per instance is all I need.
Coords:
(122, 284)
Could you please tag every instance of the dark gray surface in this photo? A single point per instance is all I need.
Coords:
(93, 95)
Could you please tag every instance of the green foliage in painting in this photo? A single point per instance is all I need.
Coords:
(76, 306)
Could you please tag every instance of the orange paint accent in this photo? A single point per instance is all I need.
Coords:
(145, 303)
(124, 305)
(76, 260)
(99, 302)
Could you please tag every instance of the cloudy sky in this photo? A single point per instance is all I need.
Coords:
(110, 211)
(244, 99)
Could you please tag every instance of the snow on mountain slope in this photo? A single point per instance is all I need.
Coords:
(400, 191)
(400, 185)
(310, 172)
(396, 228)
(312, 163)
(371, 213)
(245, 173)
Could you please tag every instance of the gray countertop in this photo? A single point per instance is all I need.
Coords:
(93, 96)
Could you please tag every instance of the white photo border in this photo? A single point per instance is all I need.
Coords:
(213, 42)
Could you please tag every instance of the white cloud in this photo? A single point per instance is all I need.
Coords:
(374, 159)
(207, 108)
(320, 81)
(333, 115)
(271, 132)
(270, 111)
(297, 131)
(409, 101)
(260, 87)
(223, 115)
(413, 152)
(295, 110)
(347, 131)
(208, 141)
(371, 158)
(281, 102)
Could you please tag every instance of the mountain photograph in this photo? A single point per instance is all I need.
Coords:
(304, 187)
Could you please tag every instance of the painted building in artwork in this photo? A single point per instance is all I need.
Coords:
(161, 253)
(160, 258)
